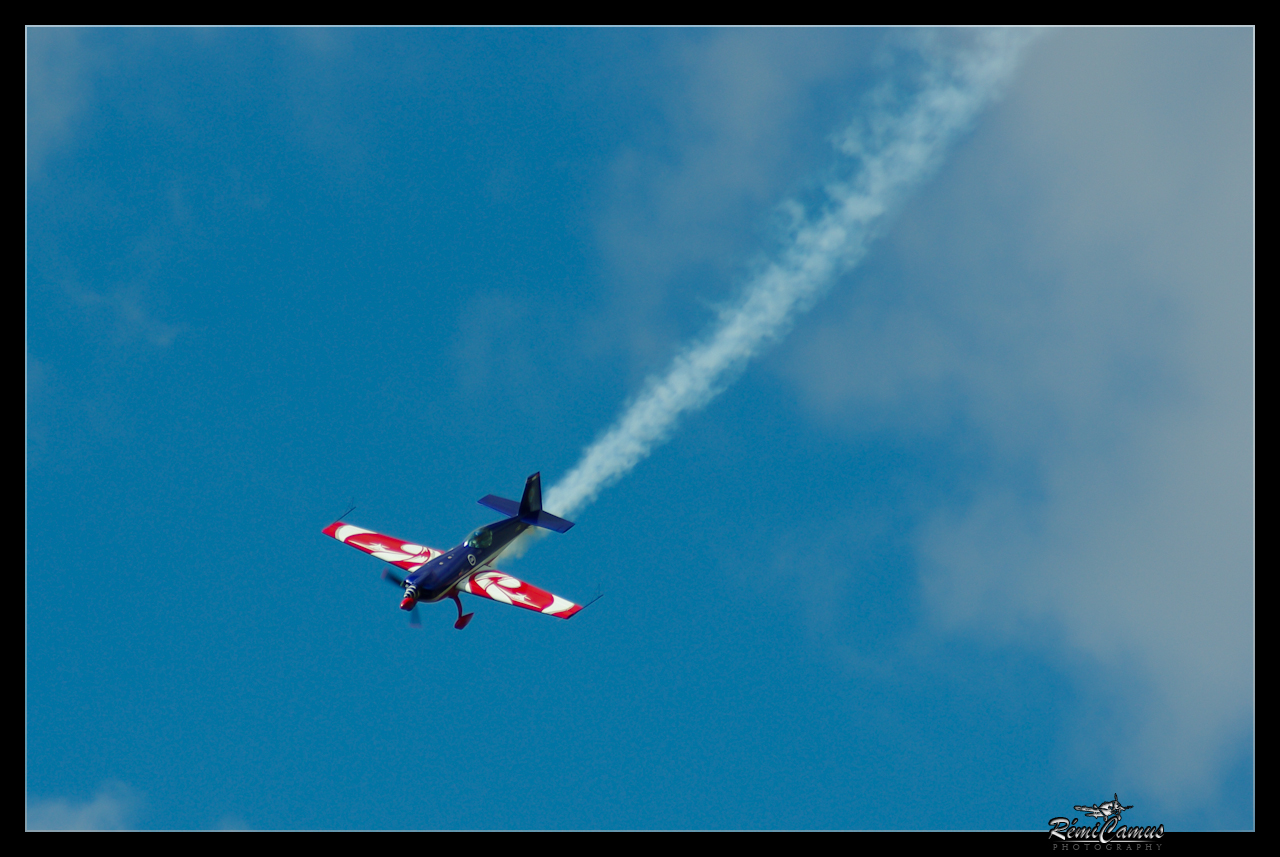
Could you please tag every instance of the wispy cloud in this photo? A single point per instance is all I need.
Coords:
(1077, 293)
(132, 317)
(112, 808)
(899, 143)
(59, 87)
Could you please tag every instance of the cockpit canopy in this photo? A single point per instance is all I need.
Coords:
(480, 539)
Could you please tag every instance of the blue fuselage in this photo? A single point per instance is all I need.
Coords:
(436, 579)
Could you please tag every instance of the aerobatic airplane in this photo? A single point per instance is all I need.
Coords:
(434, 575)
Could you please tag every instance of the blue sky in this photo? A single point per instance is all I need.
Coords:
(966, 544)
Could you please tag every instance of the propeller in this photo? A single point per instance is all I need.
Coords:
(415, 618)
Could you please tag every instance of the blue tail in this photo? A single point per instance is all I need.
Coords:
(529, 509)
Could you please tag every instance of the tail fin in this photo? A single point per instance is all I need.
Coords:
(531, 502)
(531, 508)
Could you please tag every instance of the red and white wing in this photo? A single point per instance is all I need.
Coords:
(402, 554)
(500, 586)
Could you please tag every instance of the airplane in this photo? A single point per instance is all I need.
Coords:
(1104, 810)
(434, 575)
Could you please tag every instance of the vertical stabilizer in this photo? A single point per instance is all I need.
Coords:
(530, 509)
(531, 502)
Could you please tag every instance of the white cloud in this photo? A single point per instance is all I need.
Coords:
(133, 320)
(1078, 288)
(112, 808)
(59, 87)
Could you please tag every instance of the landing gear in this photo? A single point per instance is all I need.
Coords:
(462, 620)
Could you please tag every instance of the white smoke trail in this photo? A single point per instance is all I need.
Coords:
(892, 150)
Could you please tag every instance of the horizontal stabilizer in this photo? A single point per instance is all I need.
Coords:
(510, 508)
(547, 521)
(529, 509)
